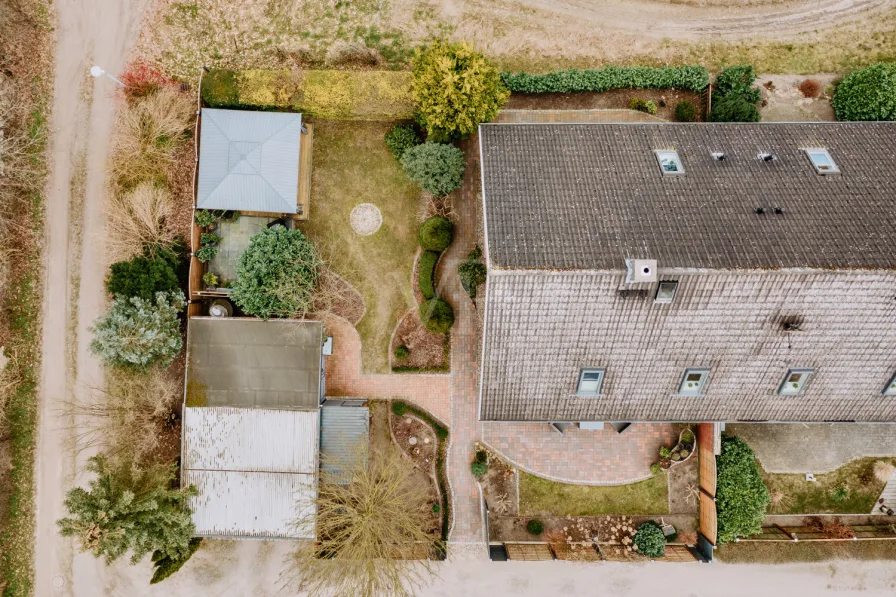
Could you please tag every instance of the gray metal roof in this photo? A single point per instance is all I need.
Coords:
(249, 362)
(343, 434)
(542, 328)
(249, 161)
(588, 196)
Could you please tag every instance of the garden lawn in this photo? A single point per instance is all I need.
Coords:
(540, 497)
(774, 552)
(792, 494)
(351, 165)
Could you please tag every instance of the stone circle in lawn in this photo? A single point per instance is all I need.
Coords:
(365, 219)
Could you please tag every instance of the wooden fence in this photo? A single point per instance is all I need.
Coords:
(793, 534)
(708, 526)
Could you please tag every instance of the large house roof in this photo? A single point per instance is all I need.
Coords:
(589, 196)
(249, 161)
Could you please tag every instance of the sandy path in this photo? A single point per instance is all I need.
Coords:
(88, 30)
(684, 22)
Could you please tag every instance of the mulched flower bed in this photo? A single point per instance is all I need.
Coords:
(499, 485)
(617, 99)
(416, 439)
(428, 351)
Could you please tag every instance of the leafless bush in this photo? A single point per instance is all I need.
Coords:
(831, 528)
(137, 221)
(125, 417)
(18, 170)
(883, 470)
(343, 53)
(149, 131)
(810, 88)
(367, 530)
(437, 206)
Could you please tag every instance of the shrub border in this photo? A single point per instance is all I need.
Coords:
(690, 78)
(444, 437)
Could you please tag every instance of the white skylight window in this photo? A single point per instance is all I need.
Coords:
(822, 161)
(890, 388)
(693, 381)
(590, 381)
(669, 162)
(665, 291)
(794, 382)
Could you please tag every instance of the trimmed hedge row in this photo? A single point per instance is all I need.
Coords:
(426, 273)
(400, 408)
(348, 95)
(690, 78)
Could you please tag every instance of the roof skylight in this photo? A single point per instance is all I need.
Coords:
(822, 160)
(669, 162)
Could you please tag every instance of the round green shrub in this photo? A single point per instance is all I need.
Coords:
(737, 81)
(437, 315)
(741, 496)
(685, 111)
(276, 274)
(535, 527)
(478, 469)
(402, 352)
(650, 540)
(436, 508)
(436, 167)
(436, 234)
(655, 469)
(401, 138)
(399, 408)
(867, 94)
(142, 277)
(206, 253)
(734, 109)
(205, 218)
(426, 273)
(481, 456)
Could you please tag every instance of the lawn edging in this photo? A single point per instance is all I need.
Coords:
(444, 437)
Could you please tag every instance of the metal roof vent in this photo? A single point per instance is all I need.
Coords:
(766, 157)
(640, 270)
(719, 156)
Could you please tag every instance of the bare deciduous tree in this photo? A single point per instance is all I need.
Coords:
(371, 521)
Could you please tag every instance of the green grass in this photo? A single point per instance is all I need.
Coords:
(540, 497)
(804, 551)
(798, 496)
(352, 165)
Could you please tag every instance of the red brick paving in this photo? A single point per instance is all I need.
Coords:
(344, 377)
(579, 456)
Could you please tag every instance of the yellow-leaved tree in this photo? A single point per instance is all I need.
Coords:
(455, 88)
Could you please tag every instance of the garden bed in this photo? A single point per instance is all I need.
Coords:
(616, 99)
(539, 496)
(610, 530)
(851, 489)
(500, 486)
(812, 551)
(427, 351)
(684, 487)
(416, 439)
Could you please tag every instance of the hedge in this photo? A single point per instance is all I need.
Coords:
(346, 95)
(436, 233)
(867, 94)
(741, 496)
(689, 78)
(426, 273)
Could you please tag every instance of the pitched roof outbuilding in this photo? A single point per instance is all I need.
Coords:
(588, 196)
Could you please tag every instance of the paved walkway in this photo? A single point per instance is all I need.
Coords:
(815, 447)
(344, 377)
(580, 456)
(888, 495)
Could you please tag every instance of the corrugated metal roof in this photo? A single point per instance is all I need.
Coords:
(249, 161)
(244, 504)
(253, 469)
(342, 429)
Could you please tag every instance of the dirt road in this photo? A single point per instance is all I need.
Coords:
(88, 31)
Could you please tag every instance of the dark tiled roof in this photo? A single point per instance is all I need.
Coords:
(588, 196)
(542, 328)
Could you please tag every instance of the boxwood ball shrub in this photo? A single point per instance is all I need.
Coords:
(478, 469)
(426, 269)
(142, 277)
(867, 94)
(276, 274)
(741, 496)
(402, 352)
(437, 315)
(535, 527)
(685, 111)
(399, 408)
(401, 138)
(436, 233)
(650, 540)
(690, 78)
(436, 167)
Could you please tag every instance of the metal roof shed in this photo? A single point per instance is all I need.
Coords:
(255, 470)
(344, 430)
(249, 161)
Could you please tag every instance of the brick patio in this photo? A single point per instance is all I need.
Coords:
(580, 456)
(344, 377)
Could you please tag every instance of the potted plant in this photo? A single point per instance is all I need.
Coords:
(205, 219)
(211, 280)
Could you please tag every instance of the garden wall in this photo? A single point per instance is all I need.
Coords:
(345, 95)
